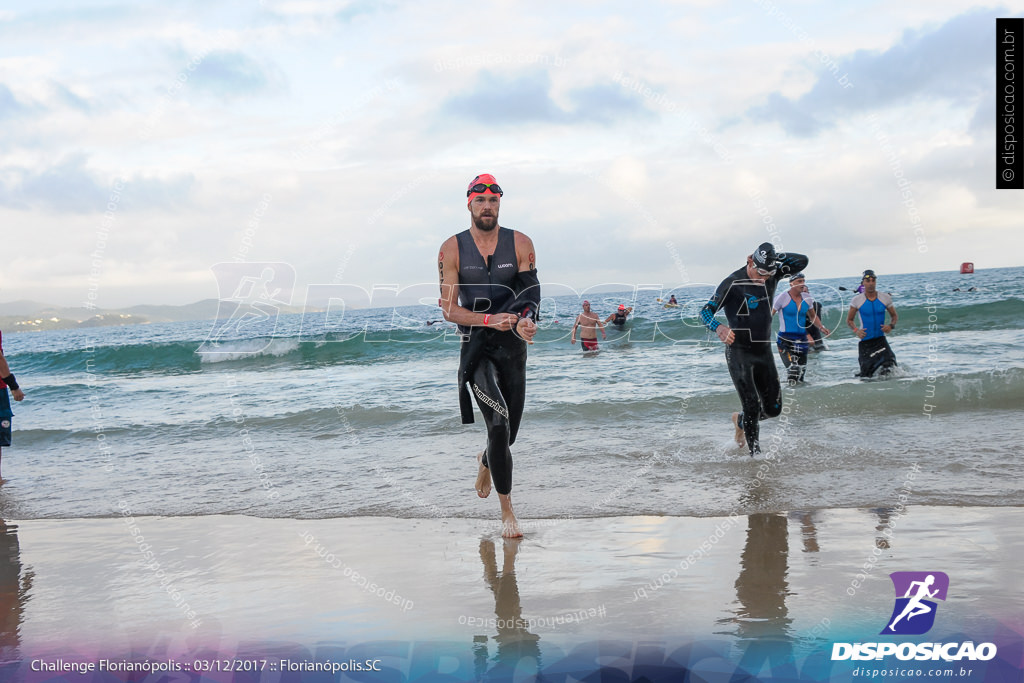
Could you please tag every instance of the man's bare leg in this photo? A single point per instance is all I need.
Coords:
(741, 439)
(509, 523)
(483, 478)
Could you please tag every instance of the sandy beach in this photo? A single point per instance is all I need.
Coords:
(225, 585)
(193, 522)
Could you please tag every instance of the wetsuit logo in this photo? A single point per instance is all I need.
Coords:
(752, 301)
(494, 405)
(914, 612)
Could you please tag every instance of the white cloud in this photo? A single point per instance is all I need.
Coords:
(340, 112)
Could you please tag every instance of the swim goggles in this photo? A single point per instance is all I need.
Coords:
(483, 187)
(765, 273)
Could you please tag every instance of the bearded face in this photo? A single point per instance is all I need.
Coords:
(484, 211)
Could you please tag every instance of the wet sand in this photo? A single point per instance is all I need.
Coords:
(90, 587)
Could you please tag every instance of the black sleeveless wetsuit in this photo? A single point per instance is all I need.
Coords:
(748, 308)
(493, 363)
(819, 342)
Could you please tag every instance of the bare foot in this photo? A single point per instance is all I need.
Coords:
(483, 478)
(741, 440)
(510, 525)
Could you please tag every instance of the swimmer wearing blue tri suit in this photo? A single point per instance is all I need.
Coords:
(796, 309)
(874, 352)
(746, 295)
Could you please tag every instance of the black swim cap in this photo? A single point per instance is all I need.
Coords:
(868, 273)
(798, 276)
(764, 256)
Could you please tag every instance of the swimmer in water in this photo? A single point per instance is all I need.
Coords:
(588, 322)
(618, 318)
(795, 307)
(874, 353)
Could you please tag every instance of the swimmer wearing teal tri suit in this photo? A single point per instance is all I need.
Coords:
(795, 308)
(874, 352)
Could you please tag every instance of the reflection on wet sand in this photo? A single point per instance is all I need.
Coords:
(514, 641)
(14, 593)
(884, 526)
(761, 586)
(761, 617)
(808, 530)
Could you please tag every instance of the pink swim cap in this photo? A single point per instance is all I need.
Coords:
(483, 179)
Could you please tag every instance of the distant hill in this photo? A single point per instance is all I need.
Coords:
(27, 316)
(200, 310)
(26, 308)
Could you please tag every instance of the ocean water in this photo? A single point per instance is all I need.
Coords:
(329, 415)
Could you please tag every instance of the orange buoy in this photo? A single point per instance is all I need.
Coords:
(966, 268)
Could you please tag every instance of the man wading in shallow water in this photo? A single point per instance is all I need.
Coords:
(489, 288)
(7, 380)
(746, 296)
(875, 354)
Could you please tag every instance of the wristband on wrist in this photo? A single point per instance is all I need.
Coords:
(10, 381)
(487, 318)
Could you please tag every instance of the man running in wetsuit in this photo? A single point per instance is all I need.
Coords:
(588, 322)
(746, 296)
(489, 288)
(874, 352)
(795, 308)
(618, 318)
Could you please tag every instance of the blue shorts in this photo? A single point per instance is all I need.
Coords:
(5, 418)
(792, 342)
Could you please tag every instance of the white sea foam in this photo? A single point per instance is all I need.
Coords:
(248, 348)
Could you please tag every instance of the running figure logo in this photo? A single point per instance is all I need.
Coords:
(914, 613)
(251, 297)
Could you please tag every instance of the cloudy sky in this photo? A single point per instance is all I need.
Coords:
(638, 143)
